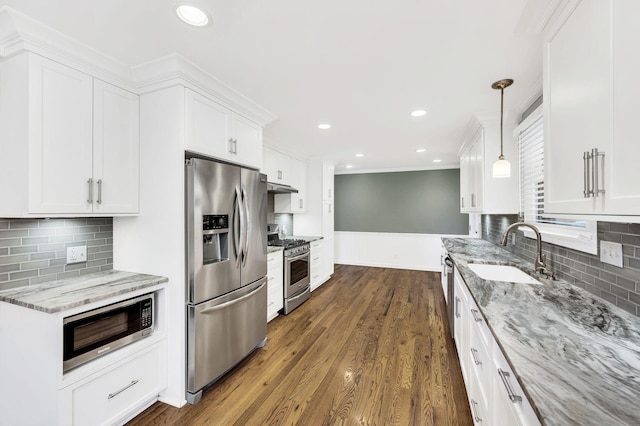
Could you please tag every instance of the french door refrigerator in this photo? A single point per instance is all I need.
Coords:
(226, 252)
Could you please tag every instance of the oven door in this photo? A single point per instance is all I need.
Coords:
(296, 274)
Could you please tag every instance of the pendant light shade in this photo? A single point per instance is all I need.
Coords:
(501, 168)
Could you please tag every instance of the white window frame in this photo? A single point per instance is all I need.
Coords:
(581, 239)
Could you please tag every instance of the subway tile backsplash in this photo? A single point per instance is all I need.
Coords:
(33, 251)
(620, 286)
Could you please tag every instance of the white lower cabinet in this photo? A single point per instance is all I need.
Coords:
(275, 284)
(317, 264)
(495, 396)
(116, 393)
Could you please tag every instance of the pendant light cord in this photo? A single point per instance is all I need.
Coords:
(501, 117)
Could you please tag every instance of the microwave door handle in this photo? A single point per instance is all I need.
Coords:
(232, 302)
(247, 224)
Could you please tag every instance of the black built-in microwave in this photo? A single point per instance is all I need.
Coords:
(94, 333)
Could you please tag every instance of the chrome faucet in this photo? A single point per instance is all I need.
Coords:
(540, 266)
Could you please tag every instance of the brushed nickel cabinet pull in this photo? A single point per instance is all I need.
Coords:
(476, 418)
(90, 199)
(585, 166)
(457, 311)
(99, 191)
(505, 380)
(474, 352)
(474, 312)
(113, 395)
(595, 157)
(300, 203)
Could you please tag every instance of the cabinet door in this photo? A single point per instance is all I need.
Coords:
(208, 127)
(299, 173)
(327, 220)
(247, 140)
(576, 104)
(317, 269)
(115, 149)
(60, 138)
(327, 182)
(277, 166)
(477, 173)
(465, 189)
(327, 256)
(622, 190)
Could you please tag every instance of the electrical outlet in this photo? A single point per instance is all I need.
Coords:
(513, 239)
(611, 253)
(76, 254)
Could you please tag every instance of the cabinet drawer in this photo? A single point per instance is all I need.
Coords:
(115, 393)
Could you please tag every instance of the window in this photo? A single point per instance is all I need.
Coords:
(567, 232)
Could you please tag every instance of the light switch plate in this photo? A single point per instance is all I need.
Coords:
(76, 254)
(611, 253)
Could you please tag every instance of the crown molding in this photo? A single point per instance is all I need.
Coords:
(175, 69)
(21, 33)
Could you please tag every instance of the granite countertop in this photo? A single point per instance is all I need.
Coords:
(577, 357)
(307, 239)
(61, 295)
(273, 249)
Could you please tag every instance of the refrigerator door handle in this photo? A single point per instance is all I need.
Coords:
(232, 302)
(247, 225)
(237, 226)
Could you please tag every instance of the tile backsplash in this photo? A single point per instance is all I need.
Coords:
(33, 251)
(620, 286)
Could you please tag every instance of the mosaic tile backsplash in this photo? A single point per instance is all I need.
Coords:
(620, 286)
(34, 251)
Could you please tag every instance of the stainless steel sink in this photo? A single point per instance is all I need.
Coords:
(505, 273)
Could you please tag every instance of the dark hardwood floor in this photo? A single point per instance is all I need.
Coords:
(371, 347)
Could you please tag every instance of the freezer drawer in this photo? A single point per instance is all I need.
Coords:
(222, 331)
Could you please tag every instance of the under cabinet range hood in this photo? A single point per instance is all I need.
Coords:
(277, 188)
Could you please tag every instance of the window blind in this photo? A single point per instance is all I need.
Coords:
(531, 144)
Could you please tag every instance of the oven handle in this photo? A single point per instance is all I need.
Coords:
(232, 302)
(300, 256)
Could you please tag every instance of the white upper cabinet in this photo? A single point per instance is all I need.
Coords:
(70, 142)
(591, 94)
(216, 131)
(295, 202)
(116, 147)
(277, 166)
(480, 192)
(327, 182)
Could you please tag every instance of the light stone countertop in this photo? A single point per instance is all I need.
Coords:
(576, 356)
(61, 295)
(273, 249)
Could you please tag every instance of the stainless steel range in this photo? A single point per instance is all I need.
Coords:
(297, 271)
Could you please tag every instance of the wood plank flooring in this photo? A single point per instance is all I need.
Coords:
(371, 347)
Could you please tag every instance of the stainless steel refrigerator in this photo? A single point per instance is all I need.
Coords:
(226, 210)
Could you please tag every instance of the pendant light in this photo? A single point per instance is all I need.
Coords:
(501, 168)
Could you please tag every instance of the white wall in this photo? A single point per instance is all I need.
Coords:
(388, 250)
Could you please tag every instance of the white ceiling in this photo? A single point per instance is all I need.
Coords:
(360, 65)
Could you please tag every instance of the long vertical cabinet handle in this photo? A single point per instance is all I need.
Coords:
(230, 146)
(99, 191)
(595, 157)
(505, 381)
(235, 146)
(473, 200)
(462, 202)
(90, 199)
(246, 226)
(585, 160)
(300, 201)
(457, 310)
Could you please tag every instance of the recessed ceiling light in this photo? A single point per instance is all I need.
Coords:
(349, 166)
(192, 15)
(420, 150)
(437, 161)
(419, 113)
(359, 155)
(324, 126)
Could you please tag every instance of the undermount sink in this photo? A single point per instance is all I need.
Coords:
(502, 273)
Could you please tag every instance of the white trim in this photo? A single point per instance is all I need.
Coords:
(395, 170)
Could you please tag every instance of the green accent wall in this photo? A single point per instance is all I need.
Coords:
(421, 202)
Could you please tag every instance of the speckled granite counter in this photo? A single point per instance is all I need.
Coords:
(576, 356)
(56, 296)
(307, 239)
(273, 249)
